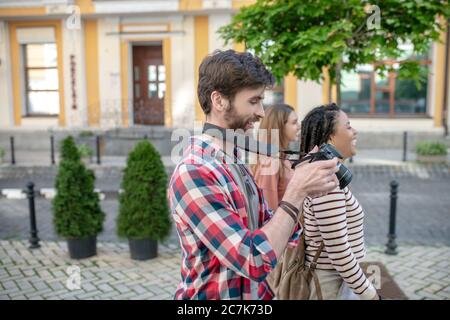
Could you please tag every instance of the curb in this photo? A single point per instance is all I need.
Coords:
(48, 193)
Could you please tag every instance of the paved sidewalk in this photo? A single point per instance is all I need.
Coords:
(422, 272)
(43, 273)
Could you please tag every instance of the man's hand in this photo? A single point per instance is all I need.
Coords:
(312, 179)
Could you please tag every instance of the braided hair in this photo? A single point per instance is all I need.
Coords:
(317, 127)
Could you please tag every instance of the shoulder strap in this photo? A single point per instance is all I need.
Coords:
(311, 274)
(313, 263)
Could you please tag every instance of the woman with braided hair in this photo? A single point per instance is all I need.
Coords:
(335, 219)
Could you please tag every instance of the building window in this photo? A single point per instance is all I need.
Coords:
(365, 92)
(41, 79)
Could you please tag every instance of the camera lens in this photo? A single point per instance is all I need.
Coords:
(344, 176)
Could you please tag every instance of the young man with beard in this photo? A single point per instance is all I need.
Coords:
(230, 242)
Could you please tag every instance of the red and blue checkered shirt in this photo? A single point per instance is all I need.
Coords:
(219, 253)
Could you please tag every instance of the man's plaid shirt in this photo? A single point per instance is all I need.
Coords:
(219, 253)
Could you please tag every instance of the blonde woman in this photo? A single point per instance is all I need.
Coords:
(272, 175)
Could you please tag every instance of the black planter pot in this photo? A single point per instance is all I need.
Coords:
(143, 249)
(83, 247)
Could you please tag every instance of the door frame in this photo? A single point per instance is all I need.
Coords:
(145, 45)
(126, 57)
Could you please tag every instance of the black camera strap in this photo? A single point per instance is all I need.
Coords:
(248, 144)
(309, 157)
(240, 140)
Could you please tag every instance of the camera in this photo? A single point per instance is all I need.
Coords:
(328, 152)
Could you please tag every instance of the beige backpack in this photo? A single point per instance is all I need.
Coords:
(291, 277)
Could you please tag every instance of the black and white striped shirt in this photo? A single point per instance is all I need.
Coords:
(337, 219)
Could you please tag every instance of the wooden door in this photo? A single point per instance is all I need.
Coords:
(149, 85)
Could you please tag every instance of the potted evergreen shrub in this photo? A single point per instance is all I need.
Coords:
(76, 207)
(143, 209)
(431, 151)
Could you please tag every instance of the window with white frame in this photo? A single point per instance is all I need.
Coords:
(41, 78)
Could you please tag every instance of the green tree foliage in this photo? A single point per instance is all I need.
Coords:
(69, 150)
(144, 211)
(76, 207)
(303, 36)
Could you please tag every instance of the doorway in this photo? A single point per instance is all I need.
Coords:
(149, 84)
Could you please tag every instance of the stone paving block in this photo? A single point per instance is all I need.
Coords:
(127, 296)
(442, 295)
(38, 294)
(144, 296)
(8, 284)
(13, 278)
(86, 273)
(105, 287)
(427, 295)
(39, 284)
(445, 265)
(433, 288)
(122, 289)
(3, 272)
(55, 293)
(110, 295)
(18, 297)
(86, 286)
(87, 295)
(59, 274)
(14, 272)
(70, 295)
(138, 289)
(446, 288)
(158, 290)
(162, 297)
(44, 274)
(12, 291)
(56, 285)
(104, 279)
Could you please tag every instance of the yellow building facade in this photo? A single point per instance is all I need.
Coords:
(103, 63)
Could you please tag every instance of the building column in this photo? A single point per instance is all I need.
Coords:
(201, 35)
(6, 103)
(92, 72)
(439, 90)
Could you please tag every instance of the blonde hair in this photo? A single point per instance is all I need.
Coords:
(276, 117)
